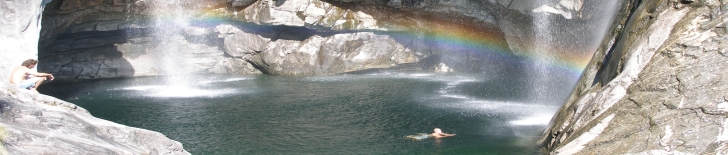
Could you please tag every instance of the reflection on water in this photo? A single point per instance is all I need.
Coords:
(340, 114)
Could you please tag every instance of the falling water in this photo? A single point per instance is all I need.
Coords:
(170, 17)
(541, 47)
(558, 26)
(175, 58)
(563, 25)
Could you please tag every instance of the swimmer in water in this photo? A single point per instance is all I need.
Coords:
(437, 134)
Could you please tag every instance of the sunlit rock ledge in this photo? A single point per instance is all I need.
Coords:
(32, 123)
(658, 85)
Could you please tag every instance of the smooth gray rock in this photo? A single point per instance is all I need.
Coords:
(114, 54)
(32, 123)
(317, 54)
(337, 54)
(239, 43)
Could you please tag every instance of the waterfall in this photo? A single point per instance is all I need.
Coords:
(567, 27)
(539, 73)
(170, 18)
(175, 55)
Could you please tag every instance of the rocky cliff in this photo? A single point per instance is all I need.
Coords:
(656, 86)
(93, 39)
(112, 38)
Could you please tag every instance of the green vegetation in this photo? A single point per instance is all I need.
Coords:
(3, 135)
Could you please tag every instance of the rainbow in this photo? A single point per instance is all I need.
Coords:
(487, 41)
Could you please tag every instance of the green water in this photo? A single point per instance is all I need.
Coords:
(339, 114)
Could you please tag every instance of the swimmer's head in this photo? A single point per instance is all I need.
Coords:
(437, 130)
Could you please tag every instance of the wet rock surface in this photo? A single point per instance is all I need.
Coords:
(657, 87)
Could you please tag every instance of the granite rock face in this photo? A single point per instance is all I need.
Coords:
(32, 123)
(311, 13)
(657, 85)
(93, 39)
(20, 25)
(113, 38)
(122, 39)
(335, 53)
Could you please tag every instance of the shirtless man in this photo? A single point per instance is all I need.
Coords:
(25, 78)
(438, 134)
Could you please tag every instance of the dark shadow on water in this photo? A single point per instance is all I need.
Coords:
(67, 90)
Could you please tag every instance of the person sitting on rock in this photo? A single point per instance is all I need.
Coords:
(24, 77)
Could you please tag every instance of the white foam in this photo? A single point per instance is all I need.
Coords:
(177, 91)
(465, 79)
(224, 80)
(141, 88)
(504, 107)
(335, 78)
(420, 75)
(185, 92)
(456, 96)
(541, 119)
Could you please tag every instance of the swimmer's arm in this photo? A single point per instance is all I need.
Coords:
(446, 135)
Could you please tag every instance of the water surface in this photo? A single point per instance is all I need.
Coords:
(339, 114)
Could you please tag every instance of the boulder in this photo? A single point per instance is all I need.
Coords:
(32, 123)
(332, 54)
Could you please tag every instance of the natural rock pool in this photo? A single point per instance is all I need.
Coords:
(339, 114)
